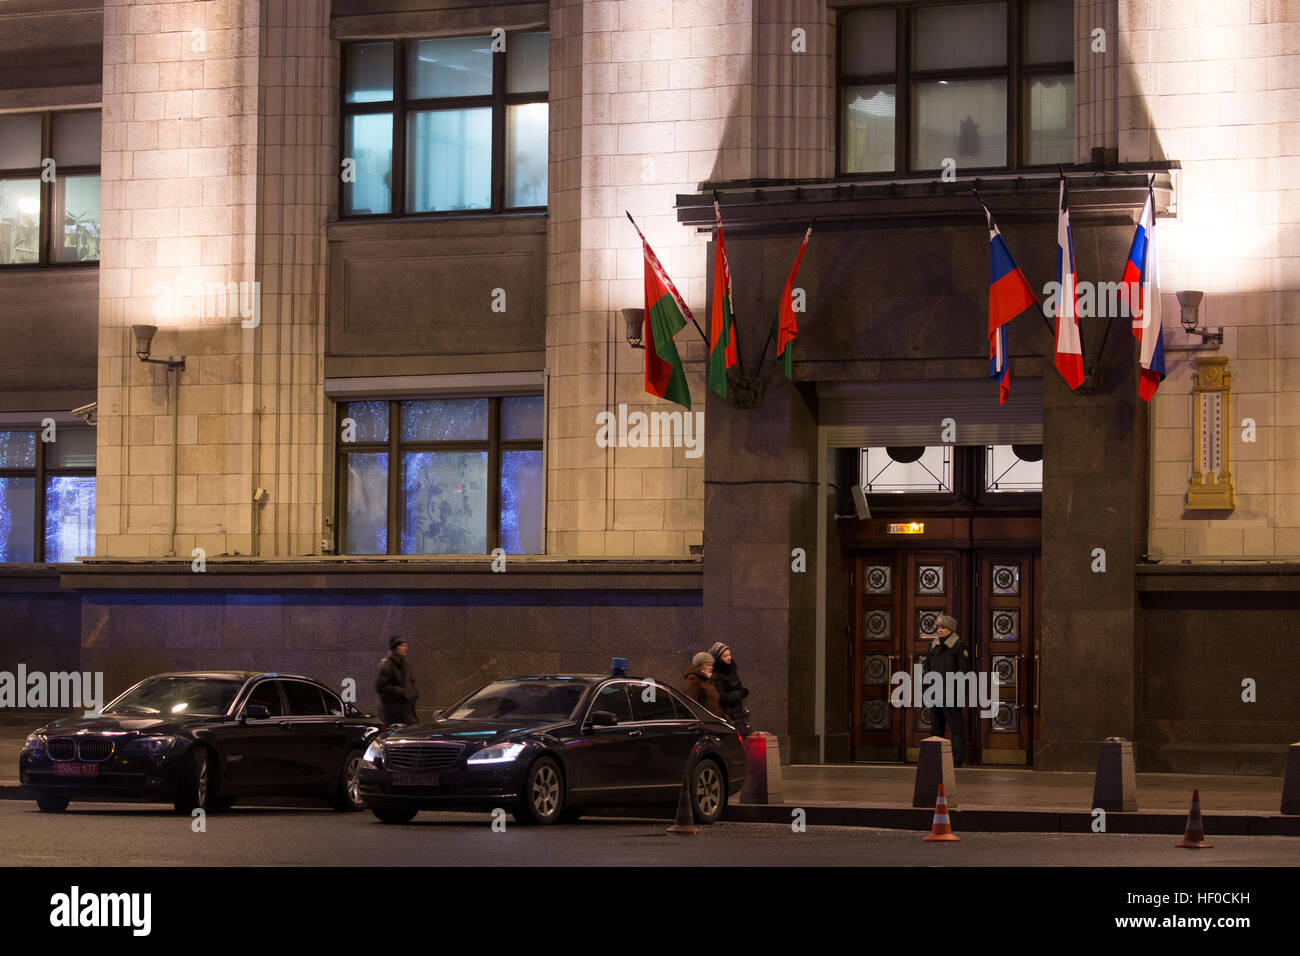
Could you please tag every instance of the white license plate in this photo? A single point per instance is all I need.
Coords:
(415, 780)
(77, 769)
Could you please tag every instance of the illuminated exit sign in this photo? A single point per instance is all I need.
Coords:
(912, 527)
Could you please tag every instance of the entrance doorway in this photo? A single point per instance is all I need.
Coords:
(897, 595)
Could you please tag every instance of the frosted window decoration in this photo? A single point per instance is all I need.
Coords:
(521, 502)
(445, 419)
(366, 525)
(18, 449)
(69, 517)
(371, 420)
(444, 502)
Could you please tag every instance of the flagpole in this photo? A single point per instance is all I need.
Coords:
(647, 245)
(767, 341)
(1150, 192)
(1050, 331)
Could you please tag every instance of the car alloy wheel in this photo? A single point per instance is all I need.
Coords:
(708, 792)
(544, 791)
(201, 782)
(353, 777)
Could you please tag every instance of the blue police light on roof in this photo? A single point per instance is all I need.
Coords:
(618, 667)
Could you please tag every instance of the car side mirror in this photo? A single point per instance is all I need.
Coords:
(257, 712)
(603, 718)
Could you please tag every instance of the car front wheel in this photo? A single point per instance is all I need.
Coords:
(543, 797)
(51, 802)
(195, 786)
(708, 792)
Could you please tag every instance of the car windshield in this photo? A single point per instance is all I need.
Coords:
(174, 696)
(533, 700)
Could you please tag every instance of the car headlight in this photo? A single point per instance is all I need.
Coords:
(497, 753)
(374, 753)
(149, 746)
(34, 745)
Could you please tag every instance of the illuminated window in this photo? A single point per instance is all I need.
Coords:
(1013, 468)
(445, 125)
(467, 478)
(911, 469)
(47, 495)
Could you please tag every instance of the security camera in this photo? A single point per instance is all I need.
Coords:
(260, 496)
(85, 411)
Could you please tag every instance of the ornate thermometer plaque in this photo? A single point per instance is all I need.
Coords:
(1211, 488)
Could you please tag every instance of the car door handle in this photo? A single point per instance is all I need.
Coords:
(635, 732)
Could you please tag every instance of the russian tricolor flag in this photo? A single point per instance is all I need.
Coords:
(1069, 347)
(1140, 288)
(1009, 295)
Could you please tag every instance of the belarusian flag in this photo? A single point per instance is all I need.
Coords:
(784, 326)
(665, 316)
(722, 320)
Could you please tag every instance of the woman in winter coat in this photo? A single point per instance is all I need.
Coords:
(731, 692)
(698, 686)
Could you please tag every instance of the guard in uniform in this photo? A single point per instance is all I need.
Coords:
(948, 655)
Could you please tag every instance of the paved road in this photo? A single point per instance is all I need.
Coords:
(107, 834)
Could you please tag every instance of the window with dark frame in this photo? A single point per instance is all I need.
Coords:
(445, 125)
(988, 85)
(44, 219)
(47, 495)
(440, 476)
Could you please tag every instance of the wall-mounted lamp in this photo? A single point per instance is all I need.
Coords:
(1190, 302)
(635, 319)
(143, 344)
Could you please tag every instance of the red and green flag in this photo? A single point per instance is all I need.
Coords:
(665, 315)
(785, 327)
(722, 319)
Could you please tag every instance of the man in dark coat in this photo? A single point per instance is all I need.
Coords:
(698, 686)
(948, 655)
(731, 692)
(396, 686)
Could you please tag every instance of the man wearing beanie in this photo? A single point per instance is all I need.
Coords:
(948, 655)
(699, 686)
(731, 692)
(396, 685)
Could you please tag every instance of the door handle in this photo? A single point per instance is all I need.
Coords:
(1038, 671)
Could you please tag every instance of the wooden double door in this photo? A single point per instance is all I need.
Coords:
(896, 598)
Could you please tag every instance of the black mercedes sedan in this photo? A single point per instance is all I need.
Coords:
(204, 739)
(550, 747)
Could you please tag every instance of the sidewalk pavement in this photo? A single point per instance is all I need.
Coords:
(986, 798)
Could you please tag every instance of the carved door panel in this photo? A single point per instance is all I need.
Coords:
(1007, 589)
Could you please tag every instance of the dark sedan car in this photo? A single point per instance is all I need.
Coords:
(549, 748)
(204, 739)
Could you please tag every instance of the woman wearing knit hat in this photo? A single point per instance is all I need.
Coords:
(699, 687)
(731, 692)
(948, 655)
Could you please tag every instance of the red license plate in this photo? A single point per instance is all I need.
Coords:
(77, 769)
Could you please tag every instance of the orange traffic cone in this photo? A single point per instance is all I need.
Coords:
(1194, 838)
(941, 829)
(684, 825)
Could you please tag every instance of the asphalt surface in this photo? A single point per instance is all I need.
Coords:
(111, 834)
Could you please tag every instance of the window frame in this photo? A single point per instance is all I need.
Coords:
(1015, 72)
(400, 106)
(45, 228)
(42, 471)
(495, 445)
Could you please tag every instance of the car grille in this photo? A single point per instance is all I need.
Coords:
(420, 758)
(94, 749)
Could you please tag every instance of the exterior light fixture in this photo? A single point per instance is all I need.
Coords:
(143, 346)
(635, 319)
(1190, 302)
